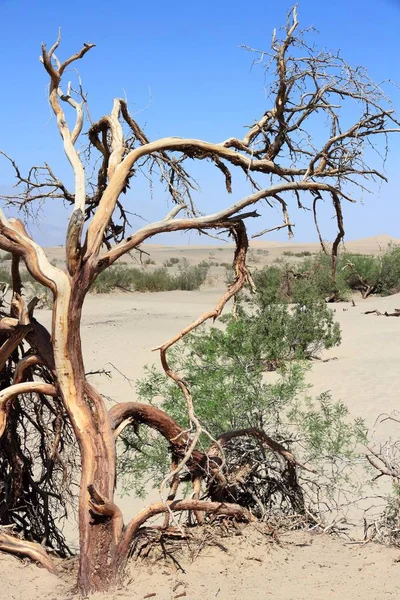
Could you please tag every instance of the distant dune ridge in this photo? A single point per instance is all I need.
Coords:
(195, 253)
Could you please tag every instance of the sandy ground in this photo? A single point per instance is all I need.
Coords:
(121, 329)
(299, 566)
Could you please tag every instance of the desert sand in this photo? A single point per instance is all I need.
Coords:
(122, 329)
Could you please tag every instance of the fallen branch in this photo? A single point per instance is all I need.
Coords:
(376, 312)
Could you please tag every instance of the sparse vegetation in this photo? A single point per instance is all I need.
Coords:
(311, 278)
(160, 280)
(301, 254)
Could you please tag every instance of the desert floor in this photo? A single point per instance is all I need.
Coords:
(119, 332)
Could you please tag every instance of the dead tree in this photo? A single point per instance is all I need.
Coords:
(280, 159)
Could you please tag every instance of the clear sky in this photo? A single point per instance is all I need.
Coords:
(185, 56)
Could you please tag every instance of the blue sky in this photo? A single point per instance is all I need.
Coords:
(185, 57)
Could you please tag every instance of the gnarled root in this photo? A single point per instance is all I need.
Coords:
(198, 506)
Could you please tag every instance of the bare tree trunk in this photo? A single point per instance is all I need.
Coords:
(98, 534)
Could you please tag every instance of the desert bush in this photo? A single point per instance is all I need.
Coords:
(189, 277)
(159, 280)
(5, 256)
(389, 282)
(285, 334)
(301, 254)
(170, 262)
(268, 284)
(311, 279)
(308, 281)
(226, 371)
(372, 274)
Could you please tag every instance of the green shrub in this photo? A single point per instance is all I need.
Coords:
(268, 282)
(6, 256)
(379, 273)
(159, 280)
(390, 272)
(285, 334)
(308, 281)
(225, 369)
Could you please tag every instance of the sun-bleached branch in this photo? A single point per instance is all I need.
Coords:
(69, 138)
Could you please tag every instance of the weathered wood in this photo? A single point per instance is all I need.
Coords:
(13, 545)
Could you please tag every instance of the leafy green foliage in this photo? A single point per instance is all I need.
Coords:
(225, 368)
(280, 334)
